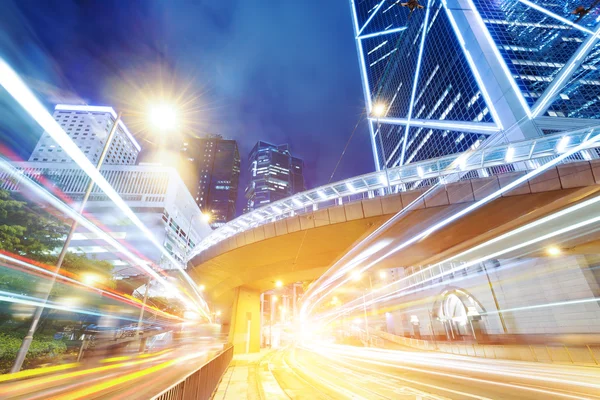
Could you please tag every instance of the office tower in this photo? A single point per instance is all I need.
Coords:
(274, 174)
(88, 127)
(211, 169)
(447, 77)
(156, 194)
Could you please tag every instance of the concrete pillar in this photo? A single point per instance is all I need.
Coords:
(244, 332)
(262, 319)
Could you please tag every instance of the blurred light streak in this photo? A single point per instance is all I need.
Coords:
(13, 84)
(405, 290)
(84, 393)
(123, 358)
(401, 378)
(324, 281)
(536, 306)
(308, 305)
(30, 384)
(382, 357)
(103, 291)
(84, 222)
(28, 373)
(15, 298)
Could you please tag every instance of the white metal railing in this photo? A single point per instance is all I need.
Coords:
(522, 156)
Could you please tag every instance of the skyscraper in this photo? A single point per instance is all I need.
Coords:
(444, 78)
(211, 169)
(88, 127)
(274, 174)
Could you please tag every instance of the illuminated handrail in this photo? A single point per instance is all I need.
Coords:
(408, 177)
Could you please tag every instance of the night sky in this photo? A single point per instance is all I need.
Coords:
(277, 70)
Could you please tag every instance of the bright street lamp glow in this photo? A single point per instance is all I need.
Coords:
(379, 110)
(382, 274)
(206, 217)
(274, 299)
(163, 116)
(356, 276)
(218, 313)
(278, 284)
(201, 288)
(553, 251)
(91, 279)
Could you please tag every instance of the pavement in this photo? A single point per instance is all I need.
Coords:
(249, 377)
(324, 371)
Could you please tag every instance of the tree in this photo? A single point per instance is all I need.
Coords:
(26, 229)
(29, 230)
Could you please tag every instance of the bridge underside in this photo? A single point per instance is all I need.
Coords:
(307, 254)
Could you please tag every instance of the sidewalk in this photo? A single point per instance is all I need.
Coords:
(249, 377)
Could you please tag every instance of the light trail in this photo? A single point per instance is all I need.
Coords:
(84, 222)
(401, 358)
(447, 375)
(54, 379)
(309, 305)
(113, 295)
(15, 86)
(404, 291)
(93, 389)
(14, 298)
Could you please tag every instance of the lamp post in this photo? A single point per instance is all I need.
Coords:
(378, 111)
(26, 343)
(366, 320)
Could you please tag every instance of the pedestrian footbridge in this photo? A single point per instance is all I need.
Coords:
(299, 238)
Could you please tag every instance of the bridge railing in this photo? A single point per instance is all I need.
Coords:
(482, 161)
(201, 383)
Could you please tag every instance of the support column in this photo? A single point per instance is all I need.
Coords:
(244, 332)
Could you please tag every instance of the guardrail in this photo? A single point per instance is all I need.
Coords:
(485, 161)
(200, 384)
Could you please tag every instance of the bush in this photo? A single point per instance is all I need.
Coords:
(41, 347)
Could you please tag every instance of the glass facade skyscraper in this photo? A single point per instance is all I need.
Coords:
(274, 174)
(447, 77)
(211, 169)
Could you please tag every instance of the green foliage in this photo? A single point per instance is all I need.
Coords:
(79, 264)
(27, 229)
(14, 281)
(172, 306)
(41, 347)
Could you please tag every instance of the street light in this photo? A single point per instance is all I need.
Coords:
(379, 110)
(554, 251)
(166, 116)
(382, 274)
(163, 116)
(201, 288)
(91, 278)
(206, 217)
(278, 284)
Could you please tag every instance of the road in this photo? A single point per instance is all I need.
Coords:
(340, 372)
(132, 376)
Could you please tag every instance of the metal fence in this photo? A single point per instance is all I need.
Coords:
(200, 384)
